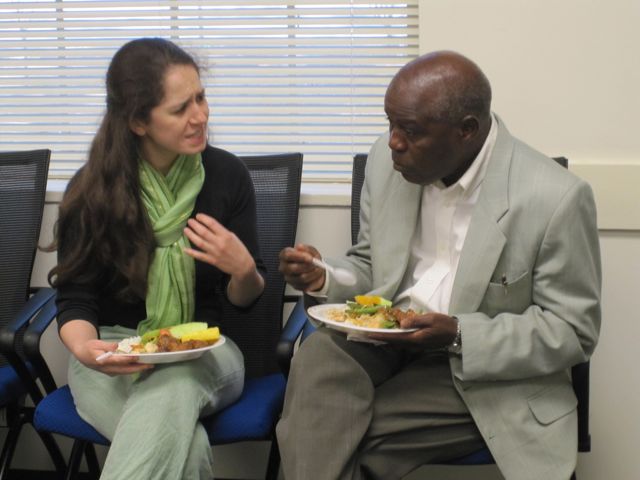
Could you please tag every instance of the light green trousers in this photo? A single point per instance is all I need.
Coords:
(152, 419)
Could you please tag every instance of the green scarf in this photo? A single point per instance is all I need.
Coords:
(169, 202)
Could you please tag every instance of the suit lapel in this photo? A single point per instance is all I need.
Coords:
(484, 241)
(403, 217)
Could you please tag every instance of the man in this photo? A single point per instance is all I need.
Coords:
(498, 245)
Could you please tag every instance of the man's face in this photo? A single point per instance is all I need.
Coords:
(424, 150)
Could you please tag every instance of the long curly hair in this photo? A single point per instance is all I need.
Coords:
(102, 224)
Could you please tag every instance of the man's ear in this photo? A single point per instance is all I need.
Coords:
(469, 127)
(137, 127)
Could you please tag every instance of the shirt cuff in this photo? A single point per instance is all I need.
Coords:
(322, 293)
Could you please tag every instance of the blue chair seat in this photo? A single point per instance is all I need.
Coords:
(253, 415)
(57, 413)
(481, 457)
(250, 418)
(10, 385)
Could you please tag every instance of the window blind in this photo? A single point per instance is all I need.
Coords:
(280, 76)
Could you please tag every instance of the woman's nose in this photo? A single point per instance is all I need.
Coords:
(201, 114)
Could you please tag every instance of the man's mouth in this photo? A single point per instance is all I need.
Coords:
(396, 165)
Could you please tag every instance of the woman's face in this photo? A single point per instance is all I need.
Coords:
(178, 124)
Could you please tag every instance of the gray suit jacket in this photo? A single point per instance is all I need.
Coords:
(535, 224)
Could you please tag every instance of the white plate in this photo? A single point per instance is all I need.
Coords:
(171, 357)
(321, 314)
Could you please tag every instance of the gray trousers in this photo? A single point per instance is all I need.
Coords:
(359, 411)
(152, 419)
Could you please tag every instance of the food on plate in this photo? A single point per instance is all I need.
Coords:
(185, 336)
(370, 311)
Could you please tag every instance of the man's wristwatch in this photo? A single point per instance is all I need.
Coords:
(456, 345)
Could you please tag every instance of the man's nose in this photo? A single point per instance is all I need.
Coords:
(396, 140)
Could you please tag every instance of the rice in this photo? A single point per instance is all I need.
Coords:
(375, 320)
(126, 345)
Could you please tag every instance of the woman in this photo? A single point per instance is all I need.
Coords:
(156, 229)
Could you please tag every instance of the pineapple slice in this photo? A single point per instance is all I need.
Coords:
(209, 335)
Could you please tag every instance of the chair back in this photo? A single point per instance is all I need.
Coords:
(23, 181)
(276, 180)
(579, 373)
(357, 180)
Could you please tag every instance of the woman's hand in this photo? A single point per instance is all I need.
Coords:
(217, 246)
(221, 248)
(80, 337)
(110, 365)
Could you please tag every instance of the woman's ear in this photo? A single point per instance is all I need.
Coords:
(137, 127)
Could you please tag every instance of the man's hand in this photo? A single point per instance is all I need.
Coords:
(298, 271)
(434, 331)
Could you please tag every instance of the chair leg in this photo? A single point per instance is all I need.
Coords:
(92, 460)
(10, 443)
(54, 452)
(273, 466)
(74, 459)
(573, 476)
(23, 417)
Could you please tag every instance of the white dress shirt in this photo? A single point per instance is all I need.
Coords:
(445, 215)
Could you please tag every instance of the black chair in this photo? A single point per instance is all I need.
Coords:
(579, 373)
(357, 180)
(23, 181)
(267, 348)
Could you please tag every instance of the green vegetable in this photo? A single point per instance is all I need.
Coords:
(361, 310)
(388, 324)
(150, 336)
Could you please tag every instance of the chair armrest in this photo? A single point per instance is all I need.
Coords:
(31, 343)
(9, 340)
(8, 333)
(289, 336)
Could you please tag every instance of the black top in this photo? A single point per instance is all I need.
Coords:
(228, 196)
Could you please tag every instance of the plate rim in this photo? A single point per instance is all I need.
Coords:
(349, 326)
(149, 357)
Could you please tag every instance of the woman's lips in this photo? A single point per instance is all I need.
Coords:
(196, 137)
